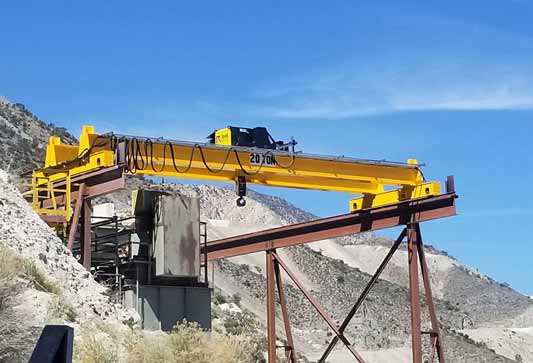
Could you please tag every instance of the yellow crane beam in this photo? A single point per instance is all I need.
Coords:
(378, 182)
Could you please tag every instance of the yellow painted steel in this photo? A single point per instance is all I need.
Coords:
(43, 188)
(372, 180)
(423, 190)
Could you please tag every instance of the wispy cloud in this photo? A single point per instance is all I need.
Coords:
(347, 93)
(461, 70)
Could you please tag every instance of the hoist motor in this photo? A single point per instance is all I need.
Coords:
(258, 137)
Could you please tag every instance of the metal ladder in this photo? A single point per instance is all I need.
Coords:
(203, 257)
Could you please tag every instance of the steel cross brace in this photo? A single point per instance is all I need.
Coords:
(273, 263)
(415, 248)
(364, 294)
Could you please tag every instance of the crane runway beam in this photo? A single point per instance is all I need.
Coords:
(331, 227)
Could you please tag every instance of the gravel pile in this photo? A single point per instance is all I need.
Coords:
(24, 231)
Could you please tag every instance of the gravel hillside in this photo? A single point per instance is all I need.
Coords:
(62, 290)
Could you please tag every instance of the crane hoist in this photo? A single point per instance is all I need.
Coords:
(234, 154)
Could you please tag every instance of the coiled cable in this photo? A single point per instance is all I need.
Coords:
(139, 154)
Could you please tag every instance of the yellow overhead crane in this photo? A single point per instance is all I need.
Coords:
(238, 155)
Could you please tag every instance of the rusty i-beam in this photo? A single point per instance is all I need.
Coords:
(408, 214)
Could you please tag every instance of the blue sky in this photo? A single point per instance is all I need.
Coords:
(449, 83)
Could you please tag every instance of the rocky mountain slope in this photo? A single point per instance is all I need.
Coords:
(24, 137)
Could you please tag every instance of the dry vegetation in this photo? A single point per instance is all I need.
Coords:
(106, 343)
(186, 344)
(16, 273)
(14, 269)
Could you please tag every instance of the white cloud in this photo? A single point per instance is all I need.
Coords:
(464, 67)
(343, 93)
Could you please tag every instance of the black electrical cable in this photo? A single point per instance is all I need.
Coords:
(140, 154)
(293, 159)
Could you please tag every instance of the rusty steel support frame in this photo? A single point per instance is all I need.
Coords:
(85, 234)
(271, 307)
(414, 296)
(97, 183)
(277, 261)
(408, 214)
(415, 255)
(273, 277)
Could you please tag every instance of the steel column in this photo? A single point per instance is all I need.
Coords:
(271, 307)
(76, 216)
(414, 294)
(289, 348)
(85, 234)
(436, 338)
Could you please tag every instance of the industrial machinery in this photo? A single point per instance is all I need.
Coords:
(152, 257)
(387, 194)
(225, 158)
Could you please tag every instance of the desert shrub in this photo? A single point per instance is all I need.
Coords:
(89, 348)
(10, 268)
(13, 266)
(240, 323)
(16, 338)
(187, 343)
(219, 299)
(236, 299)
(10, 265)
(101, 342)
(59, 311)
(41, 282)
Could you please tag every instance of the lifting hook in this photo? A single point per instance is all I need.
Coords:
(240, 188)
